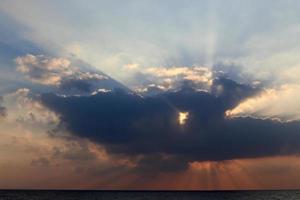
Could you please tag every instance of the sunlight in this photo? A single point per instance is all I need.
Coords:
(182, 117)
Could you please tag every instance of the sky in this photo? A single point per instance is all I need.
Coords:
(149, 94)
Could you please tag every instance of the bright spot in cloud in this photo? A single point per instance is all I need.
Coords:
(182, 117)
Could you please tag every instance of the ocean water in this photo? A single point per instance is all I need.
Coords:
(147, 195)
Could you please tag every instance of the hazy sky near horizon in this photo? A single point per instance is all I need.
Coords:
(131, 94)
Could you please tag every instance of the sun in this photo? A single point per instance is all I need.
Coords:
(182, 117)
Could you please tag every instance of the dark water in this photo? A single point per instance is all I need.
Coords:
(142, 195)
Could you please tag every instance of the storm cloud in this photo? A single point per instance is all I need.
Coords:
(127, 123)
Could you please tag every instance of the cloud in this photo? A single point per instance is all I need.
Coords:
(80, 85)
(2, 108)
(55, 71)
(143, 127)
(152, 80)
(132, 66)
(64, 76)
(284, 104)
(31, 142)
(44, 70)
(22, 107)
(74, 150)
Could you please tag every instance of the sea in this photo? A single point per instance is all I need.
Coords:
(147, 195)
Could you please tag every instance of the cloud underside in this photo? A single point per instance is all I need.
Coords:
(147, 128)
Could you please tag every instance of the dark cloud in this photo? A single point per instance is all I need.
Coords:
(76, 84)
(148, 128)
